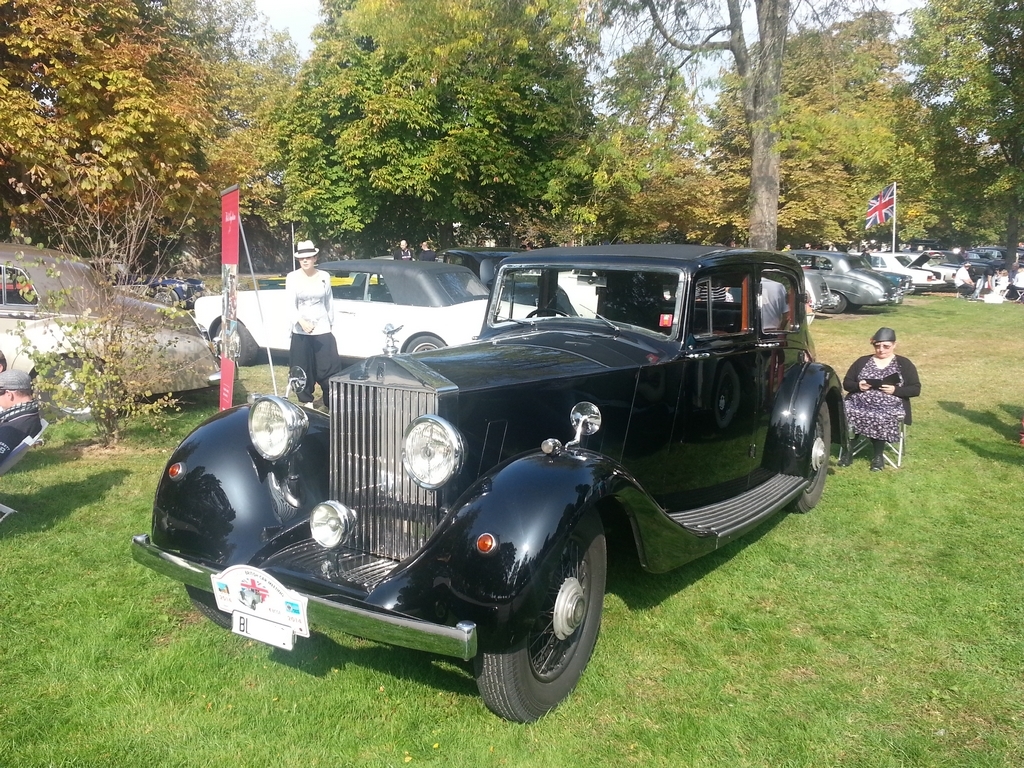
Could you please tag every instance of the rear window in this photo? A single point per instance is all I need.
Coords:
(461, 286)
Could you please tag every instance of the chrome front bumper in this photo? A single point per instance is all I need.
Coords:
(343, 614)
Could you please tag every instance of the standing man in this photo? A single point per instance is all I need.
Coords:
(403, 252)
(426, 252)
(19, 417)
(984, 281)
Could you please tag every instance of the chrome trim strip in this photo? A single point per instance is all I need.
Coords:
(343, 614)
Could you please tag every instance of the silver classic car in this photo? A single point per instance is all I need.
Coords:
(44, 292)
(851, 278)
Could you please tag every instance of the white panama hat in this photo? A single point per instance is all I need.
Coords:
(306, 248)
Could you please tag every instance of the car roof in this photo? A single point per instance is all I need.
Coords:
(688, 257)
(483, 251)
(410, 282)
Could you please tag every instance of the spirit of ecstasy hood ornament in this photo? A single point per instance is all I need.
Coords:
(391, 347)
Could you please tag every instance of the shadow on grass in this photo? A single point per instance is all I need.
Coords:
(641, 590)
(41, 509)
(320, 655)
(988, 419)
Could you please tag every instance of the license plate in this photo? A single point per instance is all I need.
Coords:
(269, 632)
(261, 607)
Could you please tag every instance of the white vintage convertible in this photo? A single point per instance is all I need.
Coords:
(434, 305)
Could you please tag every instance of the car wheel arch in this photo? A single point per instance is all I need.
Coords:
(791, 428)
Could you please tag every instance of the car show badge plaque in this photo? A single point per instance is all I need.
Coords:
(261, 607)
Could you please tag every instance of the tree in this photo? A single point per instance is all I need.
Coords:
(640, 177)
(847, 128)
(970, 55)
(93, 94)
(411, 117)
(706, 28)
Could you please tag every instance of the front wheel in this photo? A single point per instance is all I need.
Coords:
(424, 343)
(820, 451)
(533, 676)
(166, 296)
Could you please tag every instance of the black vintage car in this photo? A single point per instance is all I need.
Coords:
(456, 500)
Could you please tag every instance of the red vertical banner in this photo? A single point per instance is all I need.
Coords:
(229, 225)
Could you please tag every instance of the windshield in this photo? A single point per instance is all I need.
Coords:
(858, 262)
(643, 299)
(904, 260)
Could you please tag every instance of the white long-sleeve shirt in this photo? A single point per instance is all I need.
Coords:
(310, 300)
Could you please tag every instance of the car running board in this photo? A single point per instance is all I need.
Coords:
(730, 518)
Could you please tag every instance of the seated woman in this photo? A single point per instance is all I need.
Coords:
(880, 388)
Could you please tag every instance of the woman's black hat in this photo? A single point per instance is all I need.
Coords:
(884, 334)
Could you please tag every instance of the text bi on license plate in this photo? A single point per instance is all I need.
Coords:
(261, 607)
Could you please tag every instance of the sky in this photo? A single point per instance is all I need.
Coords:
(297, 17)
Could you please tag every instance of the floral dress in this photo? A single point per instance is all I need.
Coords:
(873, 413)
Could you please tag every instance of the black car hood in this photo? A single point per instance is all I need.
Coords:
(511, 360)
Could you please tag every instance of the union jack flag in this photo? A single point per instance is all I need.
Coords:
(881, 207)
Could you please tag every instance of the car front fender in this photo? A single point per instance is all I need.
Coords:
(226, 504)
(530, 505)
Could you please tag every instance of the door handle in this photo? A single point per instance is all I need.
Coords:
(698, 355)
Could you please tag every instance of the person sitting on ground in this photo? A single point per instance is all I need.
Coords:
(880, 388)
(19, 412)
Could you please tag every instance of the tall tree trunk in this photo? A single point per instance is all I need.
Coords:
(762, 88)
(1013, 229)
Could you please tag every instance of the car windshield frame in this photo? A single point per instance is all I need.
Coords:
(582, 293)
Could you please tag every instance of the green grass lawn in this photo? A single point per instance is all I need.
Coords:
(886, 628)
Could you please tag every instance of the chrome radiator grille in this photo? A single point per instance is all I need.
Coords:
(394, 515)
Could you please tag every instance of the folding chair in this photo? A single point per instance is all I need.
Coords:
(16, 455)
(893, 452)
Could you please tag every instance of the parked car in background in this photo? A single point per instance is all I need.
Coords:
(851, 278)
(819, 297)
(482, 261)
(942, 263)
(993, 253)
(430, 304)
(462, 500)
(169, 291)
(900, 264)
(32, 277)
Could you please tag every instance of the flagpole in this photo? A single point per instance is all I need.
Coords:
(894, 218)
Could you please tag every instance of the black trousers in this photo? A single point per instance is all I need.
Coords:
(318, 357)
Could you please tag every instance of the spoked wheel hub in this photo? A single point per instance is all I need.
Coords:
(570, 608)
(819, 453)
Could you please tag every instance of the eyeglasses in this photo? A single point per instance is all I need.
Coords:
(882, 344)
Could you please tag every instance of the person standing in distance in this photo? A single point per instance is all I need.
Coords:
(403, 252)
(311, 306)
(426, 252)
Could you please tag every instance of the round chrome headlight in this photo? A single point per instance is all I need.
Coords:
(331, 523)
(432, 452)
(276, 427)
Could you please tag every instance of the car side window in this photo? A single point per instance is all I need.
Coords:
(18, 290)
(721, 305)
(350, 286)
(778, 301)
(378, 290)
